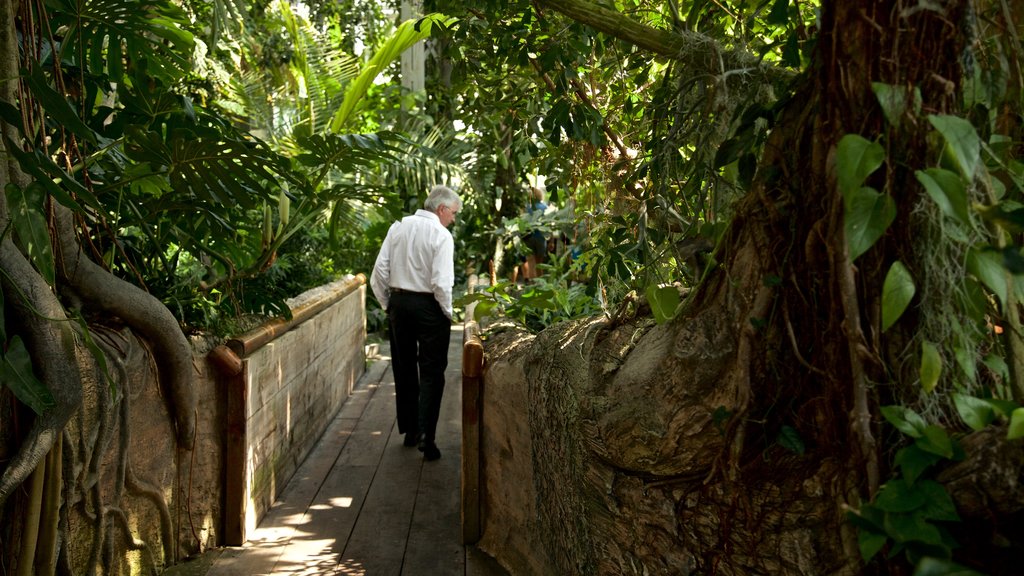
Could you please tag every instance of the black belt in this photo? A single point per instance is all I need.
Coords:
(404, 291)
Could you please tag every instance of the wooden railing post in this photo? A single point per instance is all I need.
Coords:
(472, 397)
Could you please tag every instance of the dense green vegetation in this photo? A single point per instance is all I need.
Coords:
(225, 156)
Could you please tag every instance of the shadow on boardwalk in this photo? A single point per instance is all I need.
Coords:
(364, 504)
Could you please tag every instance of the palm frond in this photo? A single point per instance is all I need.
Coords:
(105, 35)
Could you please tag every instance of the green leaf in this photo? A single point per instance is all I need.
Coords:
(1002, 408)
(912, 528)
(779, 14)
(1016, 428)
(987, 265)
(790, 439)
(931, 366)
(899, 497)
(962, 142)
(897, 292)
(56, 105)
(868, 215)
(791, 51)
(938, 505)
(870, 543)
(893, 100)
(16, 372)
(484, 309)
(29, 220)
(975, 412)
(947, 190)
(664, 302)
(1004, 215)
(935, 440)
(913, 462)
(406, 35)
(856, 159)
(929, 566)
(905, 420)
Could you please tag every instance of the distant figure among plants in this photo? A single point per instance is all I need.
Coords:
(535, 239)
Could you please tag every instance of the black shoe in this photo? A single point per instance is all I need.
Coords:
(411, 439)
(430, 452)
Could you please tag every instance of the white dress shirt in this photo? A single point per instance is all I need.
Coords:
(416, 255)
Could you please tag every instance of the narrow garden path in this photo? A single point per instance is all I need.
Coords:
(364, 504)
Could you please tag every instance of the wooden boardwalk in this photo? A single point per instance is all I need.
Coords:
(364, 504)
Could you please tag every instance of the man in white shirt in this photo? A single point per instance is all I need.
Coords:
(412, 279)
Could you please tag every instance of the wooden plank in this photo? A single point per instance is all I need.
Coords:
(378, 540)
(287, 532)
(434, 538)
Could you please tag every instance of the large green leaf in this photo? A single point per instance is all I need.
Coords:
(936, 440)
(987, 266)
(947, 190)
(407, 34)
(210, 167)
(905, 420)
(55, 105)
(913, 462)
(664, 300)
(975, 412)
(856, 159)
(962, 142)
(868, 215)
(16, 370)
(870, 543)
(897, 292)
(899, 497)
(104, 35)
(29, 220)
(346, 152)
(938, 505)
(911, 527)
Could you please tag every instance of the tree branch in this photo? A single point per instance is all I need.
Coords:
(140, 310)
(698, 51)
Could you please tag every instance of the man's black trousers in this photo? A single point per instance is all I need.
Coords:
(419, 356)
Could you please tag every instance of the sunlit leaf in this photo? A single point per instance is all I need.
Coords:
(962, 141)
(942, 567)
(1016, 428)
(897, 292)
(664, 301)
(931, 366)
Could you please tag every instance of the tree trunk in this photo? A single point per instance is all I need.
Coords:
(660, 448)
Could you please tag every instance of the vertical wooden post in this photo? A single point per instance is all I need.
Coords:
(472, 468)
(231, 368)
